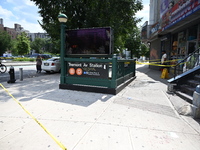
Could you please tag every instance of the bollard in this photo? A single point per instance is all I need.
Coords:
(12, 75)
(196, 103)
(171, 88)
(21, 74)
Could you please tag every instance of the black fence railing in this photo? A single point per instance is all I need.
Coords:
(189, 62)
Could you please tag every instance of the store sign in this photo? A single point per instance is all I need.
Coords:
(179, 11)
(88, 69)
(154, 28)
(164, 6)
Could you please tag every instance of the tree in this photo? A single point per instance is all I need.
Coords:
(23, 44)
(5, 42)
(120, 15)
(144, 50)
(38, 44)
(52, 46)
(133, 42)
(14, 47)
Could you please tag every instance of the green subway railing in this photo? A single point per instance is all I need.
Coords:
(114, 73)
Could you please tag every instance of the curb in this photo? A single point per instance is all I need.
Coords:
(18, 63)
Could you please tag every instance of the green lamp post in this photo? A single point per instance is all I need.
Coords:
(62, 19)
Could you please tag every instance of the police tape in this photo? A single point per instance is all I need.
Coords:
(58, 142)
(155, 64)
(152, 64)
(159, 60)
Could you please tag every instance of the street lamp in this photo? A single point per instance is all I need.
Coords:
(62, 19)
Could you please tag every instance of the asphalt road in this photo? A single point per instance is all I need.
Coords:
(28, 72)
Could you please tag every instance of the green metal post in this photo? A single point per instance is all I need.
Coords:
(62, 55)
(114, 71)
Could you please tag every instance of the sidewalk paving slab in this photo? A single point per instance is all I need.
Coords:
(141, 117)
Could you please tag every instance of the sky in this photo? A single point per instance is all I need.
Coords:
(144, 13)
(25, 13)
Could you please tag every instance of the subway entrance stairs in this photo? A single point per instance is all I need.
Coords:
(186, 76)
(185, 84)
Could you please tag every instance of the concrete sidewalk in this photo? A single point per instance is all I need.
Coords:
(141, 117)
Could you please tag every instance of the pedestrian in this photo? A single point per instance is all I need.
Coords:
(38, 64)
(163, 60)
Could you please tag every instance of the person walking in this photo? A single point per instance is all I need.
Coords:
(38, 64)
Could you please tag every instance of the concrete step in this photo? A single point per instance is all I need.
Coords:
(193, 83)
(187, 89)
(185, 96)
(197, 78)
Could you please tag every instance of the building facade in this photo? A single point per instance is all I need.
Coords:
(176, 29)
(18, 29)
(32, 36)
(13, 32)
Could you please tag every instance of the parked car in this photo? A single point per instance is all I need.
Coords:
(45, 56)
(34, 55)
(51, 65)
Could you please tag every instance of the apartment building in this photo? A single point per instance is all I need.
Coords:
(174, 26)
(32, 36)
(18, 29)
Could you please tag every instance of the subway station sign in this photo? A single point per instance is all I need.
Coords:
(88, 69)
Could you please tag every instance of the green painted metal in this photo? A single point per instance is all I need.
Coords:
(89, 81)
(114, 72)
(67, 59)
(62, 54)
(121, 71)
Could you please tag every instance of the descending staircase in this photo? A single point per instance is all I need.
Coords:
(190, 85)
(185, 83)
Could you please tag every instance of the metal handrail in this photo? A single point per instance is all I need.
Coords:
(188, 62)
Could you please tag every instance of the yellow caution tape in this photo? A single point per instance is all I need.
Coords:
(156, 64)
(58, 142)
(153, 64)
(159, 60)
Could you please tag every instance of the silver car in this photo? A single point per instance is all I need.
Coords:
(51, 65)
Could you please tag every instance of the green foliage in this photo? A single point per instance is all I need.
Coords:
(38, 44)
(133, 42)
(14, 47)
(52, 46)
(23, 44)
(24, 59)
(120, 15)
(144, 50)
(5, 42)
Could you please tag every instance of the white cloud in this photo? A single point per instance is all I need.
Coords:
(29, 3)
(23, 12)
(32, 27)
(11, 1)
(18, 8)
(4, 13)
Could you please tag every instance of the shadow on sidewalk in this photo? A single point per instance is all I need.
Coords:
(154, 74)
(47, 88)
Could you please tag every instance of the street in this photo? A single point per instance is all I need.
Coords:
(28, 72)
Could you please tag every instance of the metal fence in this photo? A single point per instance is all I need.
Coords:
(106, 73)
(189, 62)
